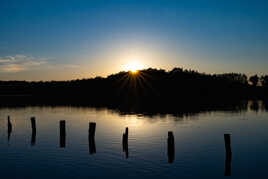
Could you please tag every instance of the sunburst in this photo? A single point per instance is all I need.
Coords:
(133, 66)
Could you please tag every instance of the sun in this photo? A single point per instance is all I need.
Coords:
(133, 66)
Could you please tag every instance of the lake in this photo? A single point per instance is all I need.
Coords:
(199, 143)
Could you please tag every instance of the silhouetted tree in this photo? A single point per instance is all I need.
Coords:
(264, 80)
(254, 80)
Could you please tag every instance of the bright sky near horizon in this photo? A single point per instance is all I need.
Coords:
(63, 40)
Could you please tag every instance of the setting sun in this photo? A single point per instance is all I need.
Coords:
(133, 66)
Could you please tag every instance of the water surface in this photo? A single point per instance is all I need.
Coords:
(199, 144)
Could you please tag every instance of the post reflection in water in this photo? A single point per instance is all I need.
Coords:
(171, 147)
(125, 142)
(91, 138)
(9, 128)
(91, 145)
(228, 156)
(33, 124)
(62, 134)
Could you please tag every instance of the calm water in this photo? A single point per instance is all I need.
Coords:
(199, 144)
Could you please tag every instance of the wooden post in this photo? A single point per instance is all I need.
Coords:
(33, 123)
(91, 138)
(171, 147)
(92, 129)
(9, 128)
(125, 142)
(126, 132)
(228, 157)
(62, 134)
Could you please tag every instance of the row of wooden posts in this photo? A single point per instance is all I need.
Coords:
(92, 147)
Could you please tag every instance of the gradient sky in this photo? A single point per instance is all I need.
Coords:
(61, 40)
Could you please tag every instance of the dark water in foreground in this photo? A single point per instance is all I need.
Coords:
(199, 144)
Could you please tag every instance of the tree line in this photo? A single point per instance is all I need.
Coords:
(154, 89)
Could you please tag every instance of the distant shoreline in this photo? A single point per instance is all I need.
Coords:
(147, 90)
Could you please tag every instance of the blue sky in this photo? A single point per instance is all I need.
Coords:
(60, 40)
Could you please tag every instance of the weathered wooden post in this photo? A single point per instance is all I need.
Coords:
(228, 158)
(62, 134)
(92, 129)
(91, 138)
(126, 132)
(171, 147)
(33, 123)
(125, 142)
(9, 128)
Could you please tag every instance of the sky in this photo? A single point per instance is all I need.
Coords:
(64, 40)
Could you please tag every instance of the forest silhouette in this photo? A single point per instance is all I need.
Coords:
(147, 90)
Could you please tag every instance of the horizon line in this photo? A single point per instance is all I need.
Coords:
(144, 69)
